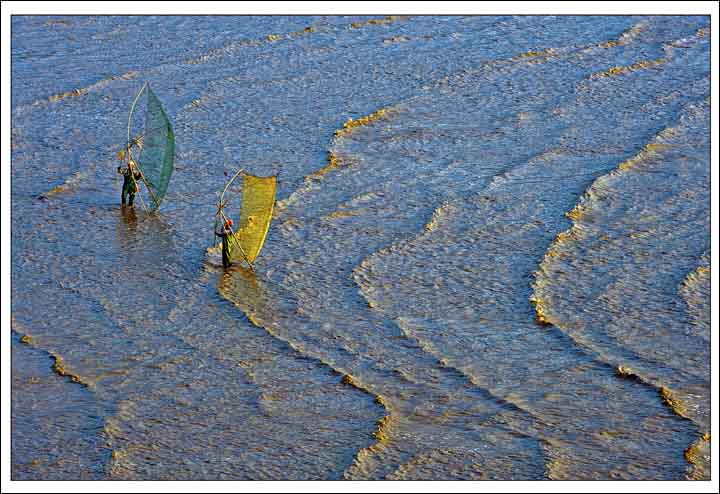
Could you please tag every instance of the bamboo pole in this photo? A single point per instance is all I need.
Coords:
(130, 144)
(142, 177)
(132, 109)
(232, 236)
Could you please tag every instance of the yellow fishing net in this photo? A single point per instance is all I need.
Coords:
(255, 216)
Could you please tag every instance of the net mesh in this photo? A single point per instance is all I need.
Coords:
(255, 216)
(158, 151)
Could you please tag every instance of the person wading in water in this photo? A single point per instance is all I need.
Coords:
(225, 233)
(130, 186)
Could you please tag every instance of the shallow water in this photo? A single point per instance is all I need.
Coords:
(423, 308)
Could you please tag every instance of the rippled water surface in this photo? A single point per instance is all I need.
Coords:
(499, 270)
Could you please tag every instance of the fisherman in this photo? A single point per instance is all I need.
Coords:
(130, 178)
(224, 233)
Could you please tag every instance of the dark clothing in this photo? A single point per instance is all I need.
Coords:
(225, 235)
(129, 184)
(130, 198)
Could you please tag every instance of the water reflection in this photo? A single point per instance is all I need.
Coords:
(129, 218)
(145, 237)
(264, 303)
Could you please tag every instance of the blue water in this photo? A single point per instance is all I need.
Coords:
(423, 307)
